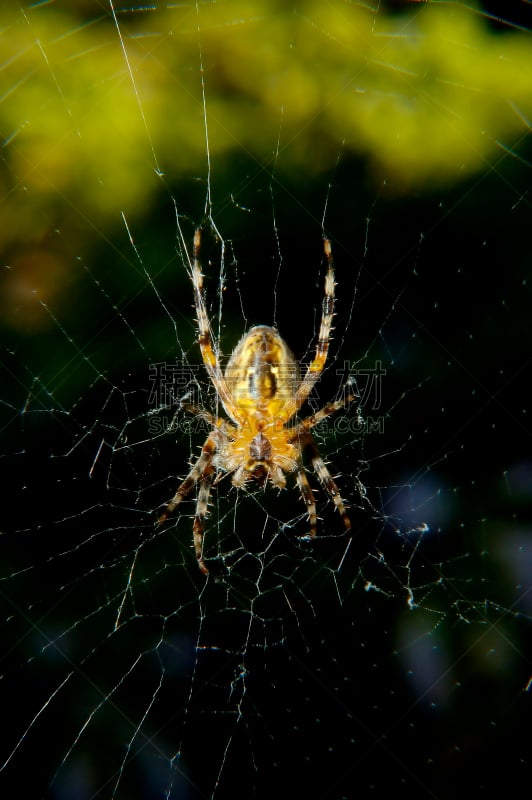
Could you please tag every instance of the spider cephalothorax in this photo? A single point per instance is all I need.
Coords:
(261, 391)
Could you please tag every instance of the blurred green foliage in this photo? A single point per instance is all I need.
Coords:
(424, 95)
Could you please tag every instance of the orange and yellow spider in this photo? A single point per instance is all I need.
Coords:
(261, 391)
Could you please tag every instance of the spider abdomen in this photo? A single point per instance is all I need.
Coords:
(262, 374)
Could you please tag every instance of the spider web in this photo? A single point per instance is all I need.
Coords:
(395, 657)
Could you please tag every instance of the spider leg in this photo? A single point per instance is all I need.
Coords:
(215, 422)
(196, 411)
(316, 366)
(202, 467)
(308, 498)
(326, 479)
(309, 422)
(306, 441)
(202, 509)
(302, 435)
(210, 357)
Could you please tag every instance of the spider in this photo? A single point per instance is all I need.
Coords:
(261, 391)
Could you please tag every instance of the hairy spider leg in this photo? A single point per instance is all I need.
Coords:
(202, 509)
(308, 498)
(208, 354)
(202, 471)
(313, 419)
(315, 368)
(326, 479)
(306, 441)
